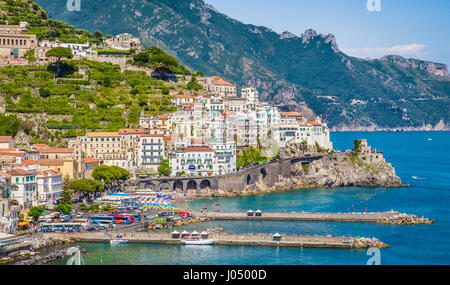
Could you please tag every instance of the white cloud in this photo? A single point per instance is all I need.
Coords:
(413, 49)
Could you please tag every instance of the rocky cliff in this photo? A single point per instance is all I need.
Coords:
(333, 170)
(344, 169)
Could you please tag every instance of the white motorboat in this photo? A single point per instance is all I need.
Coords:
(197, 241)
(118, 240)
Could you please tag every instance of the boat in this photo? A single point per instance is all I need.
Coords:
(118, 240)
(197, 241)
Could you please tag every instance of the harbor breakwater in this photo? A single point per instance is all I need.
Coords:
(392, 217)
(233, 239)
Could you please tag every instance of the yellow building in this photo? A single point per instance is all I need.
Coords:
(65, 166)
(107, 147)
(15, 44)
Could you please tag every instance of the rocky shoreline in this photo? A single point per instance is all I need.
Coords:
(29, 250)
(406, 219)
(368, 243)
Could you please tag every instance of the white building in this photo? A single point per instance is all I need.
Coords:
(193, 161)
(150, 151)
(250, 94)
(218, 86)
(296, 133)
(24, 187)
(125, 41)
(6, 142)
(225, 153)
(49, 186)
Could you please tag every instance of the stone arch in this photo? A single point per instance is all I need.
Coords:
(149, 185)
(249, 178)
(191, 185)
(178, 185)
(164, 184)
(205, 184)
(263, 172)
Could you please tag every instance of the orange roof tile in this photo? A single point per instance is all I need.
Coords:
(7, 149)
(195, 149)
(18, 171)
(56, 150)
(315, 123)
(102, 134)
(152, 135)
(51, 162)
(220, 81)
(90, 160)
(131, 131)
(30, 162)
(5, 139)
(40, 145)
(10, 153)
(184, 96)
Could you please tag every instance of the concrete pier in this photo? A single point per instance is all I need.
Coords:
(232, 239)
(392, 217)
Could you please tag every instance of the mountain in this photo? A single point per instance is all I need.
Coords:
(307, 73)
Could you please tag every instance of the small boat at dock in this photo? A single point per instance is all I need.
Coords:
(118, 240)
(197, 241)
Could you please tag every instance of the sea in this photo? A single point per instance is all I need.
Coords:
(421, 159)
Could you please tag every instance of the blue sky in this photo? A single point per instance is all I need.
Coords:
(411, 28)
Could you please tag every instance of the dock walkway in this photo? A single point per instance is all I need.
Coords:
(230, 239)
(392, 217)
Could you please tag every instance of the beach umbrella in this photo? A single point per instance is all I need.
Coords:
(175, 232)
(204, 233)
(194, 233)
(277, 235)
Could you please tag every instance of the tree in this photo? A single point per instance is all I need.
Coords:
(60, 52)
(66, 196)
(248, 156)
(30, 55)
(60, 68)
(44, 92)
(9, 125)
(98, 34)
(102, 172)
(110, 173)
(35, 212)
(164, 168)
(64, 208)
(142, 58)
(87, 187)
(194, 85)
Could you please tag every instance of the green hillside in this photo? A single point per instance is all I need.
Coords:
(288, 70)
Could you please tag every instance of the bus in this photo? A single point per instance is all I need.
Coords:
(137, 217)
(121, 219)
(61, 227)
(102, 220)
(184, 215)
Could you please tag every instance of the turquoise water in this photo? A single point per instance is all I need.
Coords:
(412, 155)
